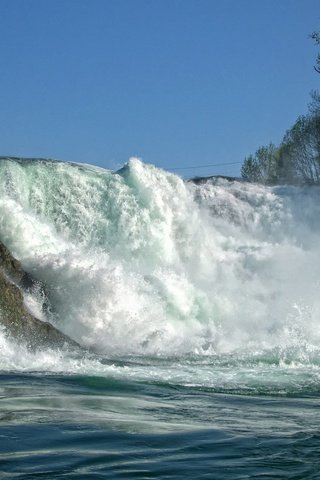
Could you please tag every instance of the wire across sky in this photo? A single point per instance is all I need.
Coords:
(205, 166)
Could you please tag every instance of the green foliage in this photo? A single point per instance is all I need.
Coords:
(250, 169)
(302, 144)
(262, 166)
(296, 160)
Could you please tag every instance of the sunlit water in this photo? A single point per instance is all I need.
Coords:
(197, 310)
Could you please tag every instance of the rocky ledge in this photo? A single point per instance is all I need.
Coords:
(19, 323)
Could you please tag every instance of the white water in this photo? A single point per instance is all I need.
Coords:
(143, 263)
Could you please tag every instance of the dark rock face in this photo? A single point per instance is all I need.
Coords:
(213, 179)
(14, 316)
(13, 270)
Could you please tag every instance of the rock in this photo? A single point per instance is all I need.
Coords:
(214, 179)
(12, 268)
(19, 323)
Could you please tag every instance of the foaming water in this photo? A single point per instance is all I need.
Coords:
(197, 311)
(140, 262)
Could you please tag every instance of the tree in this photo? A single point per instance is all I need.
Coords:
(301, 147)
(314, 105)
(250, 170)
(316, 37)
(262, 166)
(297, 159)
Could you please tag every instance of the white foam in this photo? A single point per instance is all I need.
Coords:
(141, 262)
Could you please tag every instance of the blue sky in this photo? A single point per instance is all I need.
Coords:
(176, 82)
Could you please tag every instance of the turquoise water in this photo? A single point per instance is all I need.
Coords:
(58, 426)
(197, 311)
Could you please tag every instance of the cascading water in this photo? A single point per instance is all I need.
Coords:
(140, 262)
(197, 307)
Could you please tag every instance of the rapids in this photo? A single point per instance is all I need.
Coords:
(197, 307)
(141, 262)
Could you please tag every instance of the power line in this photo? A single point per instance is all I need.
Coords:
(205, 166)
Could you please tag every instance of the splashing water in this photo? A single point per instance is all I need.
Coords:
(140, 262)
(197, 307)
